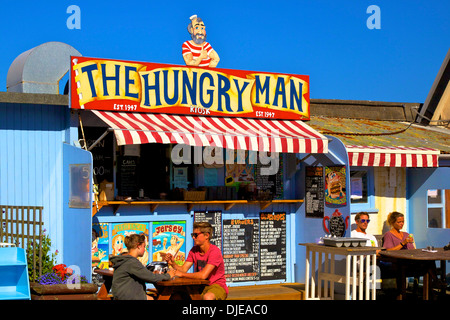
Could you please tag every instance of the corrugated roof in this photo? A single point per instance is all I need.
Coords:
(382, 133)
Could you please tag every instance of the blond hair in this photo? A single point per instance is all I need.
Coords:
(204, 227)
(393, 216)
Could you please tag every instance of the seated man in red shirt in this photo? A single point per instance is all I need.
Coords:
(208, 263)
(198, 52)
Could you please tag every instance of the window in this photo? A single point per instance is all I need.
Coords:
(438, 208)
(362, 196)
(359, 186)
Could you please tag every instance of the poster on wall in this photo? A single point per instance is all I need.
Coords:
(169, 237)
(314, 192)
(335, 185)
(100, 246)
(273, 245)
(241, 171)
(120, 230)
(241, 249)
(214, 217)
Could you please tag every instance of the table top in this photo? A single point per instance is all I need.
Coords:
(177, 281)
(417, 254)
(104, 272)
(341, 250)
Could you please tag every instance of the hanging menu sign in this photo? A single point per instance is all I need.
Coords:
(215, 219)
(241, 249)
(273, 245)
(314, 192)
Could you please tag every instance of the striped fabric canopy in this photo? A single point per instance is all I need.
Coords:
(371, 156)
(287, 136)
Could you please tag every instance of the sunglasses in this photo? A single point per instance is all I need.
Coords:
(195, 235)
(364, 220)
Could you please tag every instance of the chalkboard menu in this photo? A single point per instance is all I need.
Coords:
(215, 219)
(102, 153)
(272, 183)
(241, 249)
(273, 245)
(127, 179)
(315, 192)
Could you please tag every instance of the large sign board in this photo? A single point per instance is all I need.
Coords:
(118, 85)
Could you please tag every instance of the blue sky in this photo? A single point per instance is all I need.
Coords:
(326, 39)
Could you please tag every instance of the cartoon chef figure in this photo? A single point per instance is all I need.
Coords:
(198, 52)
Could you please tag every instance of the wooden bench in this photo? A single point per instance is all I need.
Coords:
(281, 291)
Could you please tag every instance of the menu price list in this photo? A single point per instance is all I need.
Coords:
(273, 245)
(215, 219)
(315, 192)
(241, 249)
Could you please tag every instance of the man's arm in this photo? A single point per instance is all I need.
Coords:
(203, 274)
(214, 59)
(190, 61)
(171, 261)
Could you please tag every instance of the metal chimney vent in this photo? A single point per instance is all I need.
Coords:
(40, 69)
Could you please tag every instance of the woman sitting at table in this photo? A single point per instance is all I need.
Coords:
(130, 275)
(396, 239)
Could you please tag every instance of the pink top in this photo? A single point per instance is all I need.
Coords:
(391, 241)
(214, 257)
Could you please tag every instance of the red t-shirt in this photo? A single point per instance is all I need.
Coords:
(212, 256)
(188, 47)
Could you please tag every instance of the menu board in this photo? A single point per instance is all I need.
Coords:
(273, 245)
(270, 183)
(315, 192)
(128, 177)
(215, 219)
(102, 153)
(241, 249)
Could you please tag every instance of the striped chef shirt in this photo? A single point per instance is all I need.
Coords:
(188, 47)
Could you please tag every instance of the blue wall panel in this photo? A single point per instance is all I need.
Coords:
(31, 160)
(419, 182)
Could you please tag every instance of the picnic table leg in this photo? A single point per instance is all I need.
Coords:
(401, 282)
(194, 292)
(165, 293)
(426, 285)
(104, 289)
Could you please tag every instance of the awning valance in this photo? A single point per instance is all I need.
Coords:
(286, 136)
(373, 156)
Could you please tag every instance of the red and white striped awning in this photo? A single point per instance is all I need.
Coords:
(287, 136)
(371, 156)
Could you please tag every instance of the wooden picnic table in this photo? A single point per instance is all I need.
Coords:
(181, 289)
(406, 260)
(175, 289)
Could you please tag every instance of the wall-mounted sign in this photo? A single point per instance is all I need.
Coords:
(272, 245)
(335, 185)
(121, 230)
(314, 192)
(169, 237)
(241, 249)
(119, 85)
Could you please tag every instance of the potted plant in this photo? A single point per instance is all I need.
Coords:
(57, 282)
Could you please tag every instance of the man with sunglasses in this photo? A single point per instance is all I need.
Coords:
(208, 263)
(362, 221)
